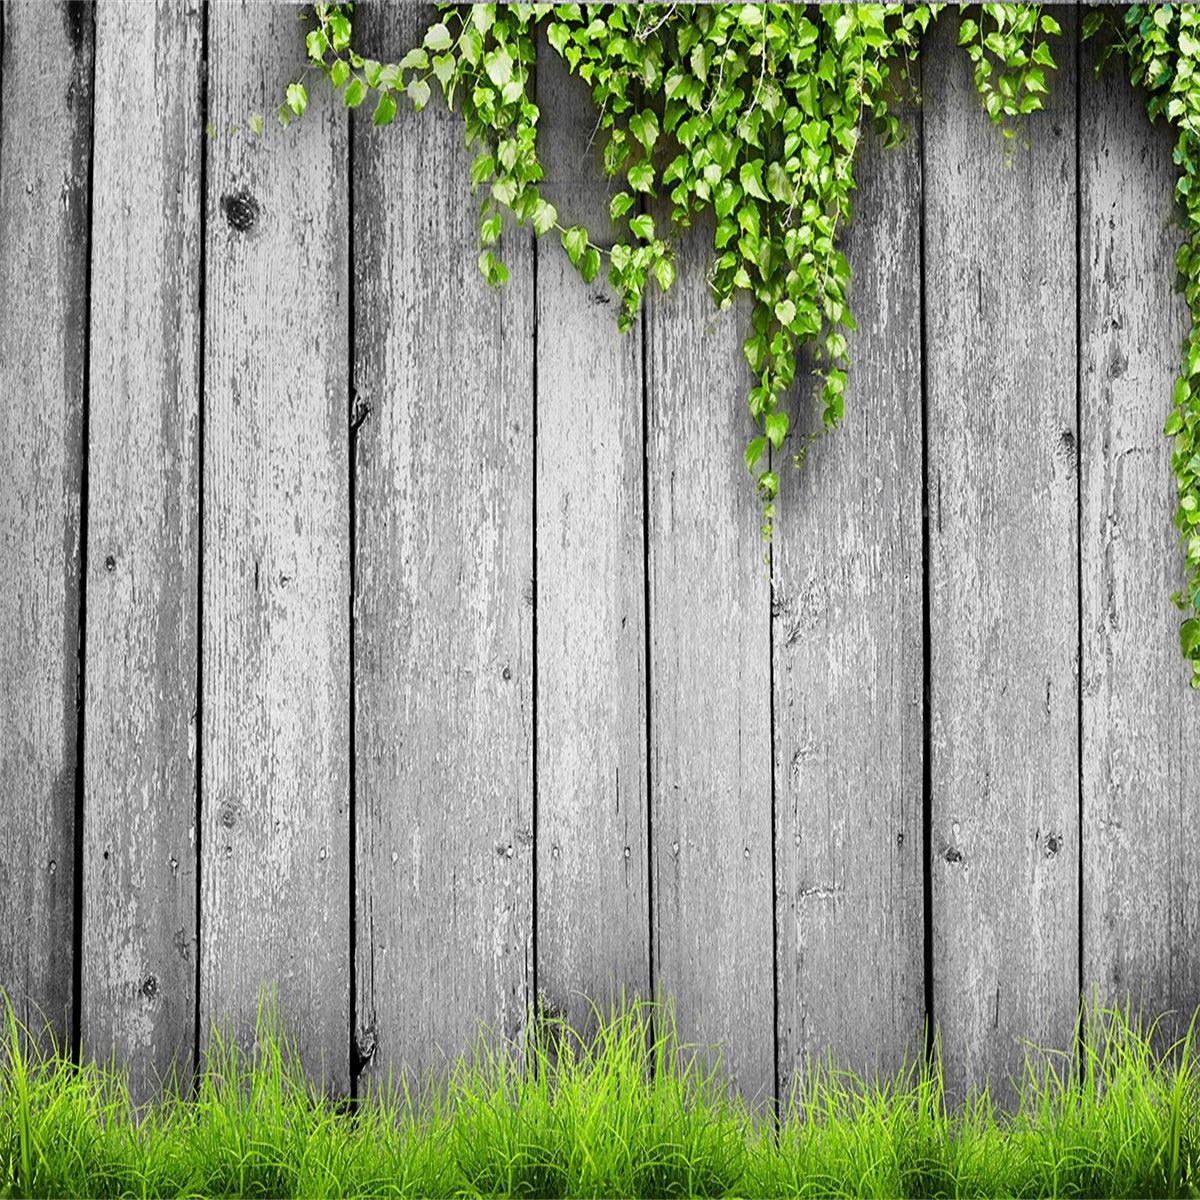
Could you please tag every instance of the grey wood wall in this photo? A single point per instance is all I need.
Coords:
(409, 647)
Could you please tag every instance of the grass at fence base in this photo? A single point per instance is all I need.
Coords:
(628, 1112)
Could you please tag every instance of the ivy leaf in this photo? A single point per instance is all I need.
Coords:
(505, 190)
(355, 93)
(498, 65)
(619, 205)
(470, 45)
(575, 242)
(385, 109)
(754, 451)
(644, 127)
(750, 174)
(1189, 638)
(641, 176)
(643, 227)
(489, 229)
(339, 26)
(664, 272)
(492, 269)
(1092, 23)
(589, 266)
(418, 93)
(437, 37)
(339, 73)
(558, 35)
(544, 217)
(297, 98)
(776, 426)
(316, 43)
(483, 167)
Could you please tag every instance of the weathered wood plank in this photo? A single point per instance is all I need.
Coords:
(1141, 749)
(275, 617)
(849, 666)
(1003, 490)
(593, 920)
(444, 373)
(710, 666)
(45, 105)
(139, 837)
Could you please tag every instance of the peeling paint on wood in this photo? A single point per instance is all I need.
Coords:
(46, 105)
(1141, 722)
(848, 677)
(593, 916)
(1000, 277)
(275, 732)
(710, 671)
(444, 623)
(139, 835)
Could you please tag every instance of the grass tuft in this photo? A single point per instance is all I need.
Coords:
(627, 1111)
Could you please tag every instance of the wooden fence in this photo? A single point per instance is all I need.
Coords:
(410, 646)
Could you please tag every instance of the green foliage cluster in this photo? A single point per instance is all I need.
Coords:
(1162, 46)
(754, 112)
(751, 111)
(624, 1111)
(1008, 48)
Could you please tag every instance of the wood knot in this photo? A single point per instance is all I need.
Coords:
(241, 210)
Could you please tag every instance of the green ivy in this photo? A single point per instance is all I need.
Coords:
(1162, 46)
(1008, 47)
(754, 112)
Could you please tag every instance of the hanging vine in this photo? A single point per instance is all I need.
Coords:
(755, 112)
(1161, 44)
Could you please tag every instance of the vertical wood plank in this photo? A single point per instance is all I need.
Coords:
(1141, 752)
(1003, 492)
(275, 626)
(592, 911)
(849, 668)
(710, 666)
(46, 102)
(139, 868)
(444, 376)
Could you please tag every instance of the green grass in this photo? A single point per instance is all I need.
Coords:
(627, 1112)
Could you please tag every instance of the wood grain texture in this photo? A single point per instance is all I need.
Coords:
(444, 374)
(1141, 723)
(275, 627)
(710, 702)
(139, 845)
(849, 674)
(593, 919)
(1000, 278)
(45, 105)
